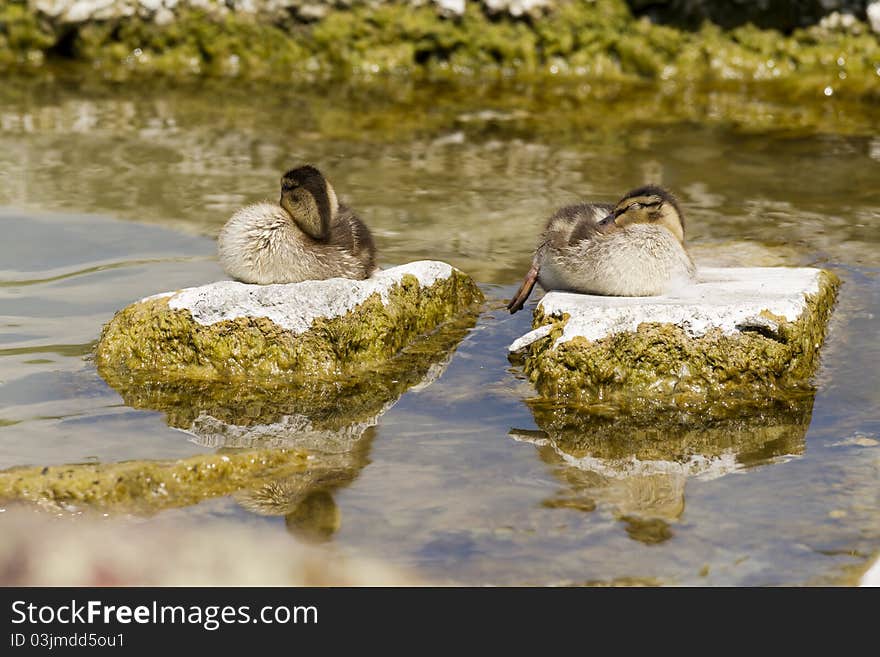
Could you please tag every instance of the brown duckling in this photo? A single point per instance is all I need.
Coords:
(309, 235)
(634, 248)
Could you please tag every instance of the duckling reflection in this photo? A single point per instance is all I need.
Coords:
(638, 463)
(634, 248)
(306, 499)
(309, 235)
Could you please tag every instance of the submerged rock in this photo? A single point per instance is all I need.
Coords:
(145, 486)
(228, 331)
(747, 330)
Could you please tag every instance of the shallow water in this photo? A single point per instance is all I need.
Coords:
(111, 194)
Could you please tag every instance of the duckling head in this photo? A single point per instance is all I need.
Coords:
(646, 205)
(310, 200)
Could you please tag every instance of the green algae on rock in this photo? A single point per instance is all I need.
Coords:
(245, 414)
(738, 331)
(596, 39)
(146, 486)
(331, 329)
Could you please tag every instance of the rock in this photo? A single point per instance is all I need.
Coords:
(451, 7)
(738, 329)
(315, 330)
(871, 577)
(163, 16)
(144, 487)
(873, 12)
(517, 8)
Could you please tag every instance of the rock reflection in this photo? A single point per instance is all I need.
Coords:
(638, 462)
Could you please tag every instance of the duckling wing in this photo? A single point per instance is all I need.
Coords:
(585, 221)
(349, 233)
(568, 226)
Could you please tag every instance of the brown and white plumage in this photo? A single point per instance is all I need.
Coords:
(307, 236)
(634, 248)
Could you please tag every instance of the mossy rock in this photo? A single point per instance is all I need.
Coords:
(738, 332)
(315, 330)
(584, 39)
(146, 486)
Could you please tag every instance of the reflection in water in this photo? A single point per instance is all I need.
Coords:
(332, 421)
(638, 463)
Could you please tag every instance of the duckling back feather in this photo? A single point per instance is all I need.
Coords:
(261, 244)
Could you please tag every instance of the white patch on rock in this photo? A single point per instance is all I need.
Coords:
(525, 340)
(161, 295)
(517, 7)
(873, 11)
(295, 306)
(730, 299)
(872, 575)
(451, 7)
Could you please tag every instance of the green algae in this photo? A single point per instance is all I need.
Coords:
(152, 341)
(598, 40)
(330, 405)
(146, 486)
(24, 39)
(662, 362)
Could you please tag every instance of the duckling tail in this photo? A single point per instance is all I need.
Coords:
(522, 294)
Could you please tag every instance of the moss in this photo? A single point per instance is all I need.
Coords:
(600, 39)
(663, 361)
(147, 486)
(24, 39)
(250, 403)
(152, 341)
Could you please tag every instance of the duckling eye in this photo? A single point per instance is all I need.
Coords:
(635, 206)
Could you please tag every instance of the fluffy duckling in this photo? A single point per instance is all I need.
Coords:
(307, 236)
(632, 249)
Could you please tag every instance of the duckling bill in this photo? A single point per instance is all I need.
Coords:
(308, 235)
(631, 249)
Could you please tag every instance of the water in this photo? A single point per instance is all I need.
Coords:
(110, 194)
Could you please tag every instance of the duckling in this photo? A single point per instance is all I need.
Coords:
(632, 249)
(309, 235)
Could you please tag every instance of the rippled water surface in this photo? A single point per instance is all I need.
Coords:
(109, 194)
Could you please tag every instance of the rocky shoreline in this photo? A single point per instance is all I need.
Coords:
(299, 39)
